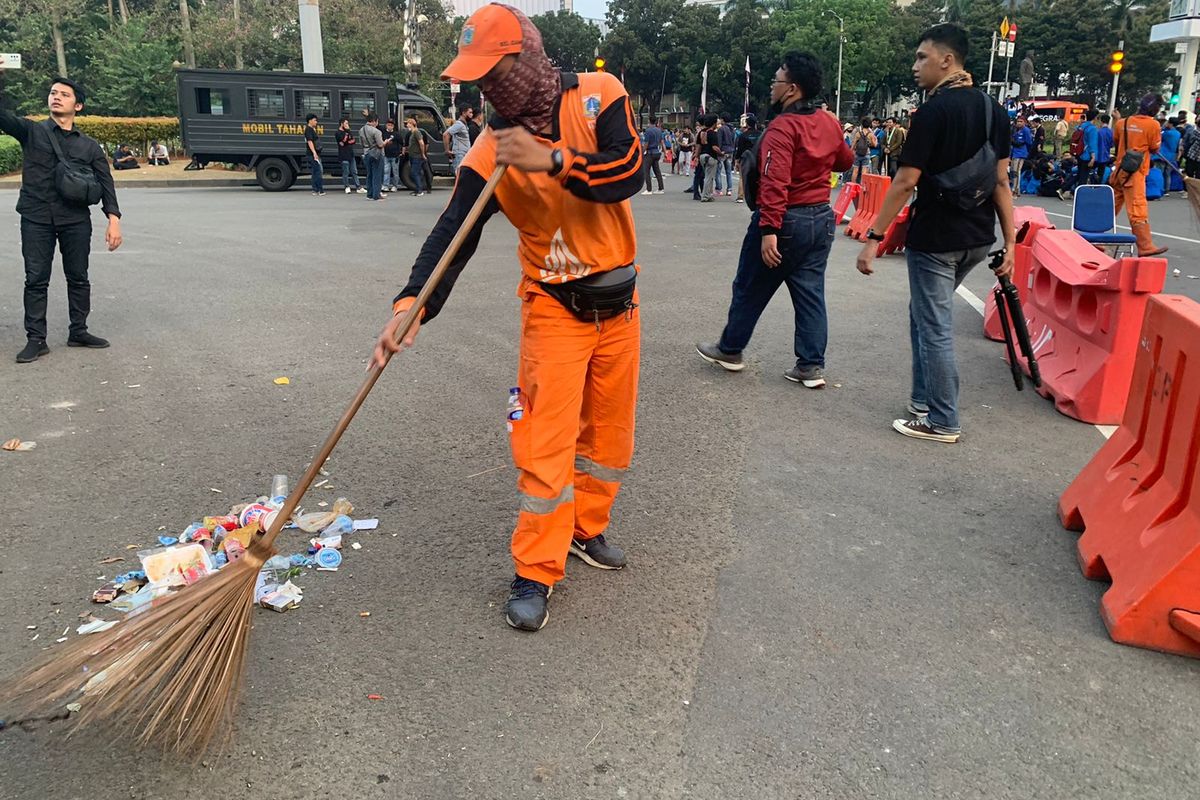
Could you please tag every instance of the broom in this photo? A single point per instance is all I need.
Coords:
(170, 676)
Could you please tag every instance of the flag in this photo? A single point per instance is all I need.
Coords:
(746, 105)
(704, 89)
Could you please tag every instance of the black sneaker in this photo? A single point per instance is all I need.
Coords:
(33, 349)
(809, 377)
(87, 340)
(920, 428)
(598, 553)
(715, 355)
(526, 607)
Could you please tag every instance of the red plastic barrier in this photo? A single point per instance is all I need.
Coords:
(1023, 214)
(1027, 227)
(1084, 311)
(851, 192)
(893, 240)
(1138, 500)
(874, 188)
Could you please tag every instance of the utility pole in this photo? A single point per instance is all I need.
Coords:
(311, 47)
(991, 63)
(841, 40)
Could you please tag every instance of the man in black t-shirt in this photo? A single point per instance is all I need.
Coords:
(944, 242)
(312, 144)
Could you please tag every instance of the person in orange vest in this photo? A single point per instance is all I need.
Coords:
(1137, 136)
(574, 160)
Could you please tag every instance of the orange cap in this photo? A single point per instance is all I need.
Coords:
(488, 35)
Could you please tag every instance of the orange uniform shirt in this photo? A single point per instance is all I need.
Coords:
(570, 225)
(1138, 132)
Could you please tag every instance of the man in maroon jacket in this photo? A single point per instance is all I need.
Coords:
(791, 233)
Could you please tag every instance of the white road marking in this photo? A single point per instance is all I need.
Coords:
(1122, 227)
(973, 300)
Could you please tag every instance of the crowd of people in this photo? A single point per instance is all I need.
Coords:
(710, 154)
(384, 150)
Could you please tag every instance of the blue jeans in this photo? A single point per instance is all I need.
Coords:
(862, 164)
(805, 240)
(318, 174)
(350, 170)
(932, 279)
(417, 167)
(391, 173)
(728, 159)
(374, 165)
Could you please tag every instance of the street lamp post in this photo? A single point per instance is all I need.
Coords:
(841, 40)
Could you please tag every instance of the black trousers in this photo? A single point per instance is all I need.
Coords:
(37, 246)
(651, 161)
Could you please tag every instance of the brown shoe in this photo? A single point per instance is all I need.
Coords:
(1145, 245)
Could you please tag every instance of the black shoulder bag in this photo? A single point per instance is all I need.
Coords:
(972, 182)
(77, 185)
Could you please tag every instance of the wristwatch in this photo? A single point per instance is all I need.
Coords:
(873, 236)
(556, 159)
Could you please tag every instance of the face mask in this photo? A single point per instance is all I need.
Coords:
(526, 95)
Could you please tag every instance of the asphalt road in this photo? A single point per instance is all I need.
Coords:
(816, 607)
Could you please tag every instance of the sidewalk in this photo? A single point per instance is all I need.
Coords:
(173, 176)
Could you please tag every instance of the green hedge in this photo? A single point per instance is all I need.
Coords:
(135, 131)
(10, 155)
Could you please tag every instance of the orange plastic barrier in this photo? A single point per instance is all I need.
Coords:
(1027, 225)
(874, 188)
(893, 240)
(1138, 500)
(851, 192)
(1084, 311)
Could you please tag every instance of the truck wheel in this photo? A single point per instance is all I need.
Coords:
(275, 175)
(406, 176)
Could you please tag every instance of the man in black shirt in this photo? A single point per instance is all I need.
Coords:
(345, 145)
(745, 144)
(312, 142)
(46, 218)
(945, 242)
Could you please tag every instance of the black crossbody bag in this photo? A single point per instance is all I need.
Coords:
(597, 297)
(972, 182)
(77, 185)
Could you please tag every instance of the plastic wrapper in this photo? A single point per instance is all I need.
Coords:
(176, 566)
(319, 520)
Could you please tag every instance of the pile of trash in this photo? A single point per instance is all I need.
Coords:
(211, 544)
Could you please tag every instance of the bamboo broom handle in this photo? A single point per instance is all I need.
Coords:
(406, 322)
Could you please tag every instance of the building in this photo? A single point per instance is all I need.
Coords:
(465, 8)
(722, 6)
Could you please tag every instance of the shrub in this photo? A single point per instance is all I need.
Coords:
(134, 131)
(10, 155)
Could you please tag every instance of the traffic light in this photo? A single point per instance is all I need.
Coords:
(1118, 62)
(599, 64)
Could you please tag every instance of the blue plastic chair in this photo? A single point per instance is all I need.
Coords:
(1094, 218)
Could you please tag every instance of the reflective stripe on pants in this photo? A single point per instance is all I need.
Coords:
(576, 437)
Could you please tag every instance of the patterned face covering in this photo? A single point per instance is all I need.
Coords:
(526, 95)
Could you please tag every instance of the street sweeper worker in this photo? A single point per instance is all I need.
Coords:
(1137, 137)
(574, 161)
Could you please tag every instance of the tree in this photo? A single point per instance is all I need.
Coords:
(569, 39)
(185, 29)
(640, 37)
(132, 72)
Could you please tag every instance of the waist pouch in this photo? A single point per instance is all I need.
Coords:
(597, 297)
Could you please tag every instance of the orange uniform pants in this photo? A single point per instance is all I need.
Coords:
(575, 440)
(1132, 195)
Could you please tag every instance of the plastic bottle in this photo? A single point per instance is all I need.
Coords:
(279, 490)
(341, 524)
(516, 406)
(276, 563)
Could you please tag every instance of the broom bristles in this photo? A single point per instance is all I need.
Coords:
(1192, 186)
(168, 677)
